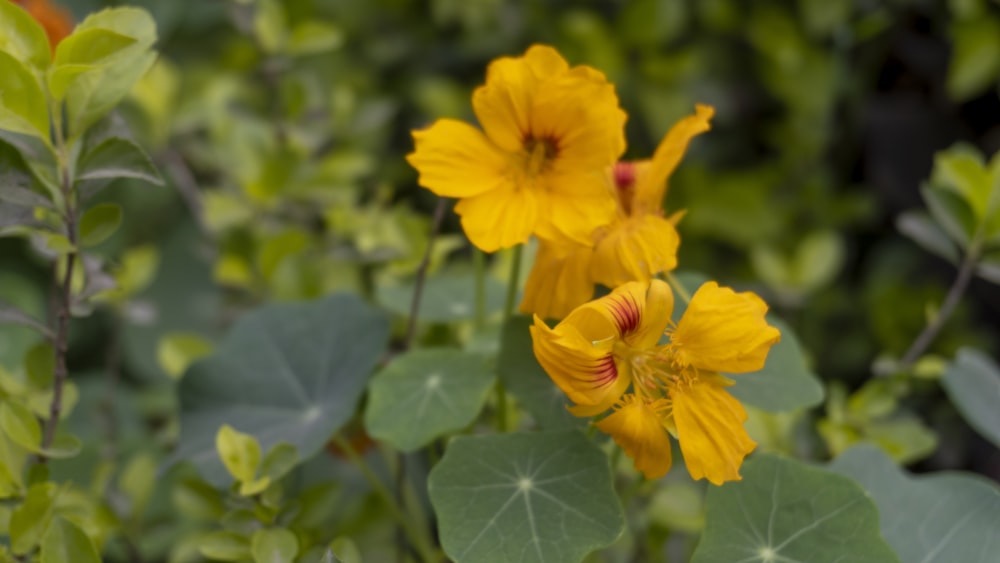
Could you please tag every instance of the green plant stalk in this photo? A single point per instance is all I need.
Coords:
(418, 286)
(479, 263)
(678, 288)
(508, 312)
(417, 540)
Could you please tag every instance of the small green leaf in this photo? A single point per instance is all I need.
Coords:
(138, 481)
(539, 497)
(445, 298)
(961, 170)
(23, 37)
(279, 461)
(783, 511)
(818, 259)
(118, 158)
(22, 102)
(975, 61)
(198, 501)
(65, 542)
(443, 389)
(225, 546)
(63, 446)
(344, 550)
(973, 384)
(274, 545)
(57, 243)
(99, 223)
(270, 25)
(939, 517)
(178, 350)
(85, 51)
(925, 232)
(528, 382)
(20, 425)
(29, 520)
(951, 212)
(312, 37)
(240, 453)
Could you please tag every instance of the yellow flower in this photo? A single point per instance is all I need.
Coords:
(636, 243)
(549, 132)
(607, 354)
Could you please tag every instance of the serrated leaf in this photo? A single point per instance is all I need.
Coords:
(65, 542)
(538, 497)
(274, 545)
(445, 298)
(118, 158)
(22, 36)
(98, 223)
(302, 368)
(789, 512)
(972, 382)
(22, 101)
(525, 378)
(933, 518)
(442, 389)
(925, 232)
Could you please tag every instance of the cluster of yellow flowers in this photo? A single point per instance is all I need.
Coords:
(546, 164)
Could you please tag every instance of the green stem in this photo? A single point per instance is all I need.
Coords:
(508, 312)
(417, 540)
(479, 262)
(678, 288)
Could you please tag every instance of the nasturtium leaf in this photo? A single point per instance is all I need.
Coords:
(29, 520)
(941, 517)
(973, 384)
(445, 298)
(522, 375)
(99, 222)
(786, 383)
(784, 511)
(22, 36)
(118, 158)
(274, 545)
(425, 394)
(540, 497)
(290, 372)
(65, 542)
(22, 102)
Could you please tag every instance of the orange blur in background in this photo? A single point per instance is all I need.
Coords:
(56, 20)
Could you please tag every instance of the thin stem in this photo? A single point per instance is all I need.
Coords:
(678, 288)
(479, 263)
(417, 540)
(418, 288)
(951, 301)
(508, 312)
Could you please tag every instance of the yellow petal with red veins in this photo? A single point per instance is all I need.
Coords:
(636, 427)
(585, 370)
(723, 331)
(500, 218)
(559, 281)
(709, 424)
(635, 249)
(636, 313)
(455, 159)
(652, 185)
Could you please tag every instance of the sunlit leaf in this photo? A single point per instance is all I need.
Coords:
(22, 36)
(274, 545)
(22, 106)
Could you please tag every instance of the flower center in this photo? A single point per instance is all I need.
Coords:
(654, 371)
(540, 153)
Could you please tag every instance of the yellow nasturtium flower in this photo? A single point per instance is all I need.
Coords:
(537, 167)
(635, 245)
(607, 354)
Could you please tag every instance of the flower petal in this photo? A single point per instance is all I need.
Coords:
(500, 218)
(636, 427)
(723, 331)
(455, 159)
(652, 184)
(635, 249)
(710, 429)
(579, 204)
(636, 312)
(583, 369)
(559, 281)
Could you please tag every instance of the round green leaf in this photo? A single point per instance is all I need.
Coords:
(22, 36)
(274, 545)
(445, 298)
(525, 379)
(786, 383)
(973, 384)
(935, 518)
(290, 372)
(543, 497)
(99, 223)
(443, 389)
(784, 511)
(65, 542)
(240, 453)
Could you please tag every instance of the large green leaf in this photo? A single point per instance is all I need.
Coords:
(289, 372)
(442, 389)
(445, 298)
(938, 518)
(973, 383)
(22, 36)
(528, 382)
(784, 511)
(22, 102)
(543, 497)
(786, 383)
